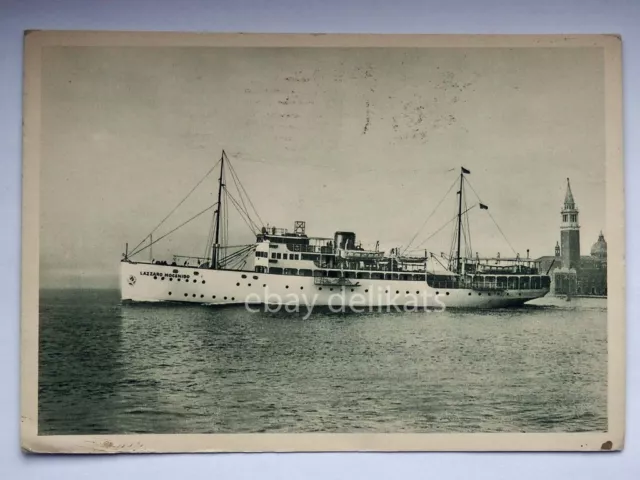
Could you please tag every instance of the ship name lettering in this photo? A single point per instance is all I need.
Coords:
(168, 275)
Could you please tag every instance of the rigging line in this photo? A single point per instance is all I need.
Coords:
(465, 232)
(233, 171)
(465, 239)
(494, 220)
(467, 236)
(210, 236)
(454, 236)
(241, 248)
(436, 259)
(178, 206)
(430, 215)
(440, 229)
(170, 232)
(502, 233)
(233, 177)
(465, 218)
(473, 189)
(468, 247)
(209, 244)
(243, 211)
(226, 212)
(247, 220)
(238, 254)
(225, 260)
(241, 190)
(452, 247)
(454, 251)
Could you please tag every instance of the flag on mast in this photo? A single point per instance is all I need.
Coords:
(464, 170)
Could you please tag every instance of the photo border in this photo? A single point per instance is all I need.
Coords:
(612, 439)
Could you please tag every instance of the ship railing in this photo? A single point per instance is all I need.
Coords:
(325, 249)
(360, 254)
(488, 288)
(508, 282)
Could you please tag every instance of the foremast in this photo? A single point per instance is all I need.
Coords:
(216, 241)
(223, 255)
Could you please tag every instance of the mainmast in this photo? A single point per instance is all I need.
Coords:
(214, 254)
(458, 258)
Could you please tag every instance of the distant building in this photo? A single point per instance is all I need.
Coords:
(572, 273)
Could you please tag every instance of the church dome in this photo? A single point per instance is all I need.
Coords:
(599, 249)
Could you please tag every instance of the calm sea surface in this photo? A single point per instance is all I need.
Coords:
(111, 368)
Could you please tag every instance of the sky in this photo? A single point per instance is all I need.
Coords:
(360, 139)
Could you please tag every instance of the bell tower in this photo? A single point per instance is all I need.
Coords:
(569, 232)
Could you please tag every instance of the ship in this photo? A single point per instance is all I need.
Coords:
(290, 268)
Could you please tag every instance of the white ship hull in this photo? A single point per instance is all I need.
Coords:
(142, 282)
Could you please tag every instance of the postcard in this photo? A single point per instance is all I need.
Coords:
(296, 242)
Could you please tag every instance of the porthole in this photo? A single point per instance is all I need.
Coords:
(331, 289)
(203, 282)
(488, 294)
(248, 284)
(507, 294)
(407, 292)
(301, 288)
(194, 280)
(447, 293)
(161, 278)
(233, 298)
(155, 278)
(225, 298)
(479, 294)
(244, 276)
(417, 292)
(352, 289)
(386, 291)
(366, 290)
(194, 295)
(264, 285)
(397, 292)
(319, 288)
(171, 279)
(255, 277)
(437, 293)
(169, 293)
(196, 273)
(201, 296)
(469, 293)
(238, 284)
(179, 280)
(186, 294)
(213, 296)
(286, 286)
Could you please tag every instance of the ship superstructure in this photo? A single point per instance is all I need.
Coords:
(285, 267)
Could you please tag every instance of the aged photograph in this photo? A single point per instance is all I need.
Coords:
(322, 242)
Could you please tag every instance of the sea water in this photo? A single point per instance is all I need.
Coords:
(105, 367)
